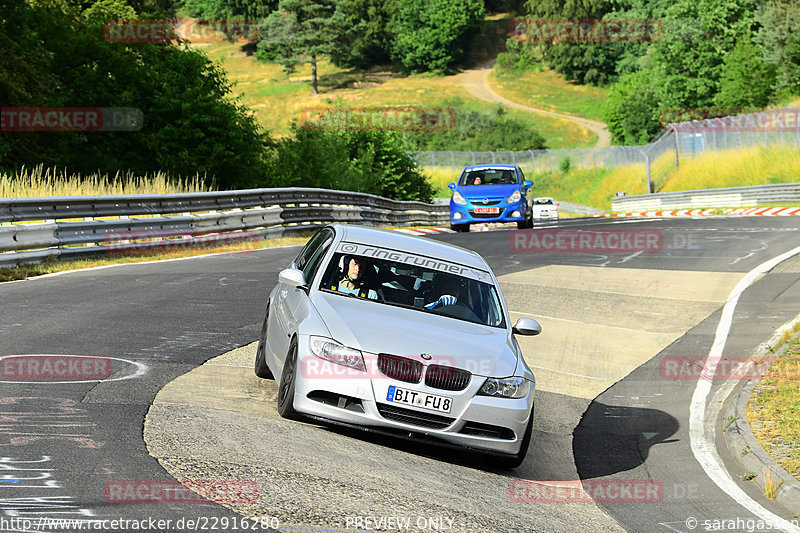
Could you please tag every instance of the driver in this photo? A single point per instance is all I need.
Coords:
(353, 281)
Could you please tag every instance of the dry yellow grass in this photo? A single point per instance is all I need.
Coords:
(748, 166)
(39, 182)
(276, 98)
(774, 411)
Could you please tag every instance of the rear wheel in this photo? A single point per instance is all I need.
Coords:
(260, 366)
(513, 461)
(286, 389)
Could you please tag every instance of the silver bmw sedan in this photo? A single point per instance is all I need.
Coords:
(401, 335)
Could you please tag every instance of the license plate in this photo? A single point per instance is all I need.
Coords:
(442, 404)
(487, 210)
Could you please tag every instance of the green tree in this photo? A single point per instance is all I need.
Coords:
(432, 34)
(229, 9)
(54, 58)
(746, 80)
(366, 40)
(301, 31)
(632, 109)
(779, 37)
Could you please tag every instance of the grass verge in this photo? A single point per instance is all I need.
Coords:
(39, 181)
(774, 410)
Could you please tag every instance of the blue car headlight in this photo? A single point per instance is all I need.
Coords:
(514, 198)
(458, 199)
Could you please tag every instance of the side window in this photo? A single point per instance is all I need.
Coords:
(311, 246)
(312, 265)
(521, 175)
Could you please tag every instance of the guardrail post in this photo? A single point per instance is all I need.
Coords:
(551, 159)
(647, 163)
(473, 156)
(533, 164)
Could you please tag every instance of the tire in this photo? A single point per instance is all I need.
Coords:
(260, 365)
(527, 223)
(513, 461)
(460, 228)
(286, 388)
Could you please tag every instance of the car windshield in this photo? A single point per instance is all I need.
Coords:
(488, 176)
(428, 290)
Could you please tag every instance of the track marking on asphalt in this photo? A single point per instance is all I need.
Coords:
(702, 430)
(571, 374)
(582, 322)
(141, 370)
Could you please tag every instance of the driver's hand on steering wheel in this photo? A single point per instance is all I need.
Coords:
(445, 299)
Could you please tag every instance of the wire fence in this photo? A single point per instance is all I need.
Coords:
(690, 138)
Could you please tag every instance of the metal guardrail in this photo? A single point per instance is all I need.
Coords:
(723, 197)
(35, 229)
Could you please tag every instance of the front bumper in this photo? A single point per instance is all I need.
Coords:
(489, 424)
(466, 214)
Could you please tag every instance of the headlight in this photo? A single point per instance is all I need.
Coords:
(458, 199)
(336, 353)
(515, 387)
(514, 198)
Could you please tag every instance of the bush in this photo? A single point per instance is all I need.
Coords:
(478, 130)
(373, 162)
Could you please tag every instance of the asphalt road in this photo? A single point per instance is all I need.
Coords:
(66, 446)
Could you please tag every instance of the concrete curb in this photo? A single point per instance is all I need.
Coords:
(739, 436)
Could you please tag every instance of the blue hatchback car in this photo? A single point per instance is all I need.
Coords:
(491, 193)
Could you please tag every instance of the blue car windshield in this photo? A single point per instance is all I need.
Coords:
(414, 286)
(488, 176)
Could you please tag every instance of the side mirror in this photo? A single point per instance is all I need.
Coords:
(528, 184)
(527, 326)
(451, 186)
(292, 277)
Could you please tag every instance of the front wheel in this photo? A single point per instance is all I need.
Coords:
(525, 224)
(260, 366)
(460, 228)
(286, 389)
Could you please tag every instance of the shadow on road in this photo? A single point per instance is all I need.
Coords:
(611, 439)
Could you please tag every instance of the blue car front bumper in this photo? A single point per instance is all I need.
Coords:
(468, 214)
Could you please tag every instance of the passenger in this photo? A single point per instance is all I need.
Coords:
(354, 279)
